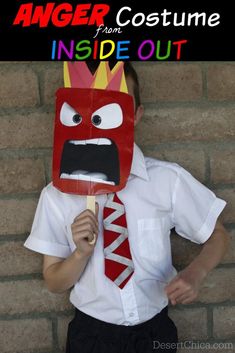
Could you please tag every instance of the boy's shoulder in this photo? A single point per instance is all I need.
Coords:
(153, 169)
(50, 190)
(52, 193)
(154, 165)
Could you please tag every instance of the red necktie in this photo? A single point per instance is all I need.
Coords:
(117, 256)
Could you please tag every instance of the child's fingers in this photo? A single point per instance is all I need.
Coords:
(176, 293)
(187, 301)
(171, 287)
(91, 238)
(173, 301)
(184, 295)
(173, 283)
(174, 297)
(90, 227)
(85, 223)
(88, 218)
(87, 214)
(84, 237)
(177, 284)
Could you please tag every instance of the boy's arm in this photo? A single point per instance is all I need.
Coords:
(62, 274)
(185, 286)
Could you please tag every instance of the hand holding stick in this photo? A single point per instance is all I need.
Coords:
(91, 206)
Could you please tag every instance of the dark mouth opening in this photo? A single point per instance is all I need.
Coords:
(95, 162)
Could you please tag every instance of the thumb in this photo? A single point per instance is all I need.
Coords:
(96, 209)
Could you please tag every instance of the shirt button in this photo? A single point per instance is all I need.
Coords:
(131, 314)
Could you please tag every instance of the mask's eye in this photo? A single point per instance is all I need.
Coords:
(108, 117)
(69, 116)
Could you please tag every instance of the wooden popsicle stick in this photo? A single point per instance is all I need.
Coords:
(90, 204)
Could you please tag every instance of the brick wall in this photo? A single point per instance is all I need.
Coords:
(189, 119)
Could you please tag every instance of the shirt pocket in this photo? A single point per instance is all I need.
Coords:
(153, 240)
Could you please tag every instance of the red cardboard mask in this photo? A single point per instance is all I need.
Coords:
(94, 131)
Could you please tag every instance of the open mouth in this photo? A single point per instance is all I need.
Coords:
(94, 160)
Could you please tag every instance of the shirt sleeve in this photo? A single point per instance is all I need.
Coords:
(48, 233)
(195, 208)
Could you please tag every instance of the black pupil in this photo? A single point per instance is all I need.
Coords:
(77, 118)
(96, 120)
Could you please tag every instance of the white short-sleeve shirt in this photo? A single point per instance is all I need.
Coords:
(159, 196)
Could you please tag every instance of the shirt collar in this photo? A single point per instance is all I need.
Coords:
(138, 166)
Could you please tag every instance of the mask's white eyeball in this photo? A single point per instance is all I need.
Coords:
(108, 117)
(69, 116)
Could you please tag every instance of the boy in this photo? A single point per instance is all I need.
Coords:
(159, 196)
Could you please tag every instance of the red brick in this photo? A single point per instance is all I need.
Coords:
(169, 82)
(191, 323)
(19, 87)
(224, 322)
(23, 336)
(223, 166)
(228, 195)
(32, 296)
(26, 131)
(15, 260)
(193, 161)
(221, 82)
(219, 286)
(186, 124)
(21, 175)
(62, 331)
(16, 216)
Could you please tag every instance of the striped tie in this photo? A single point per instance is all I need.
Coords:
(117, 257)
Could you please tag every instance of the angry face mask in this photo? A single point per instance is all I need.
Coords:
(94, 130)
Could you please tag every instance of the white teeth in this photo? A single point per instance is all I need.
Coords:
(99, 141)
(78, 142)
(103, 141)
(100, 176)
(92, 141)
(92, 177)
(80, 171)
